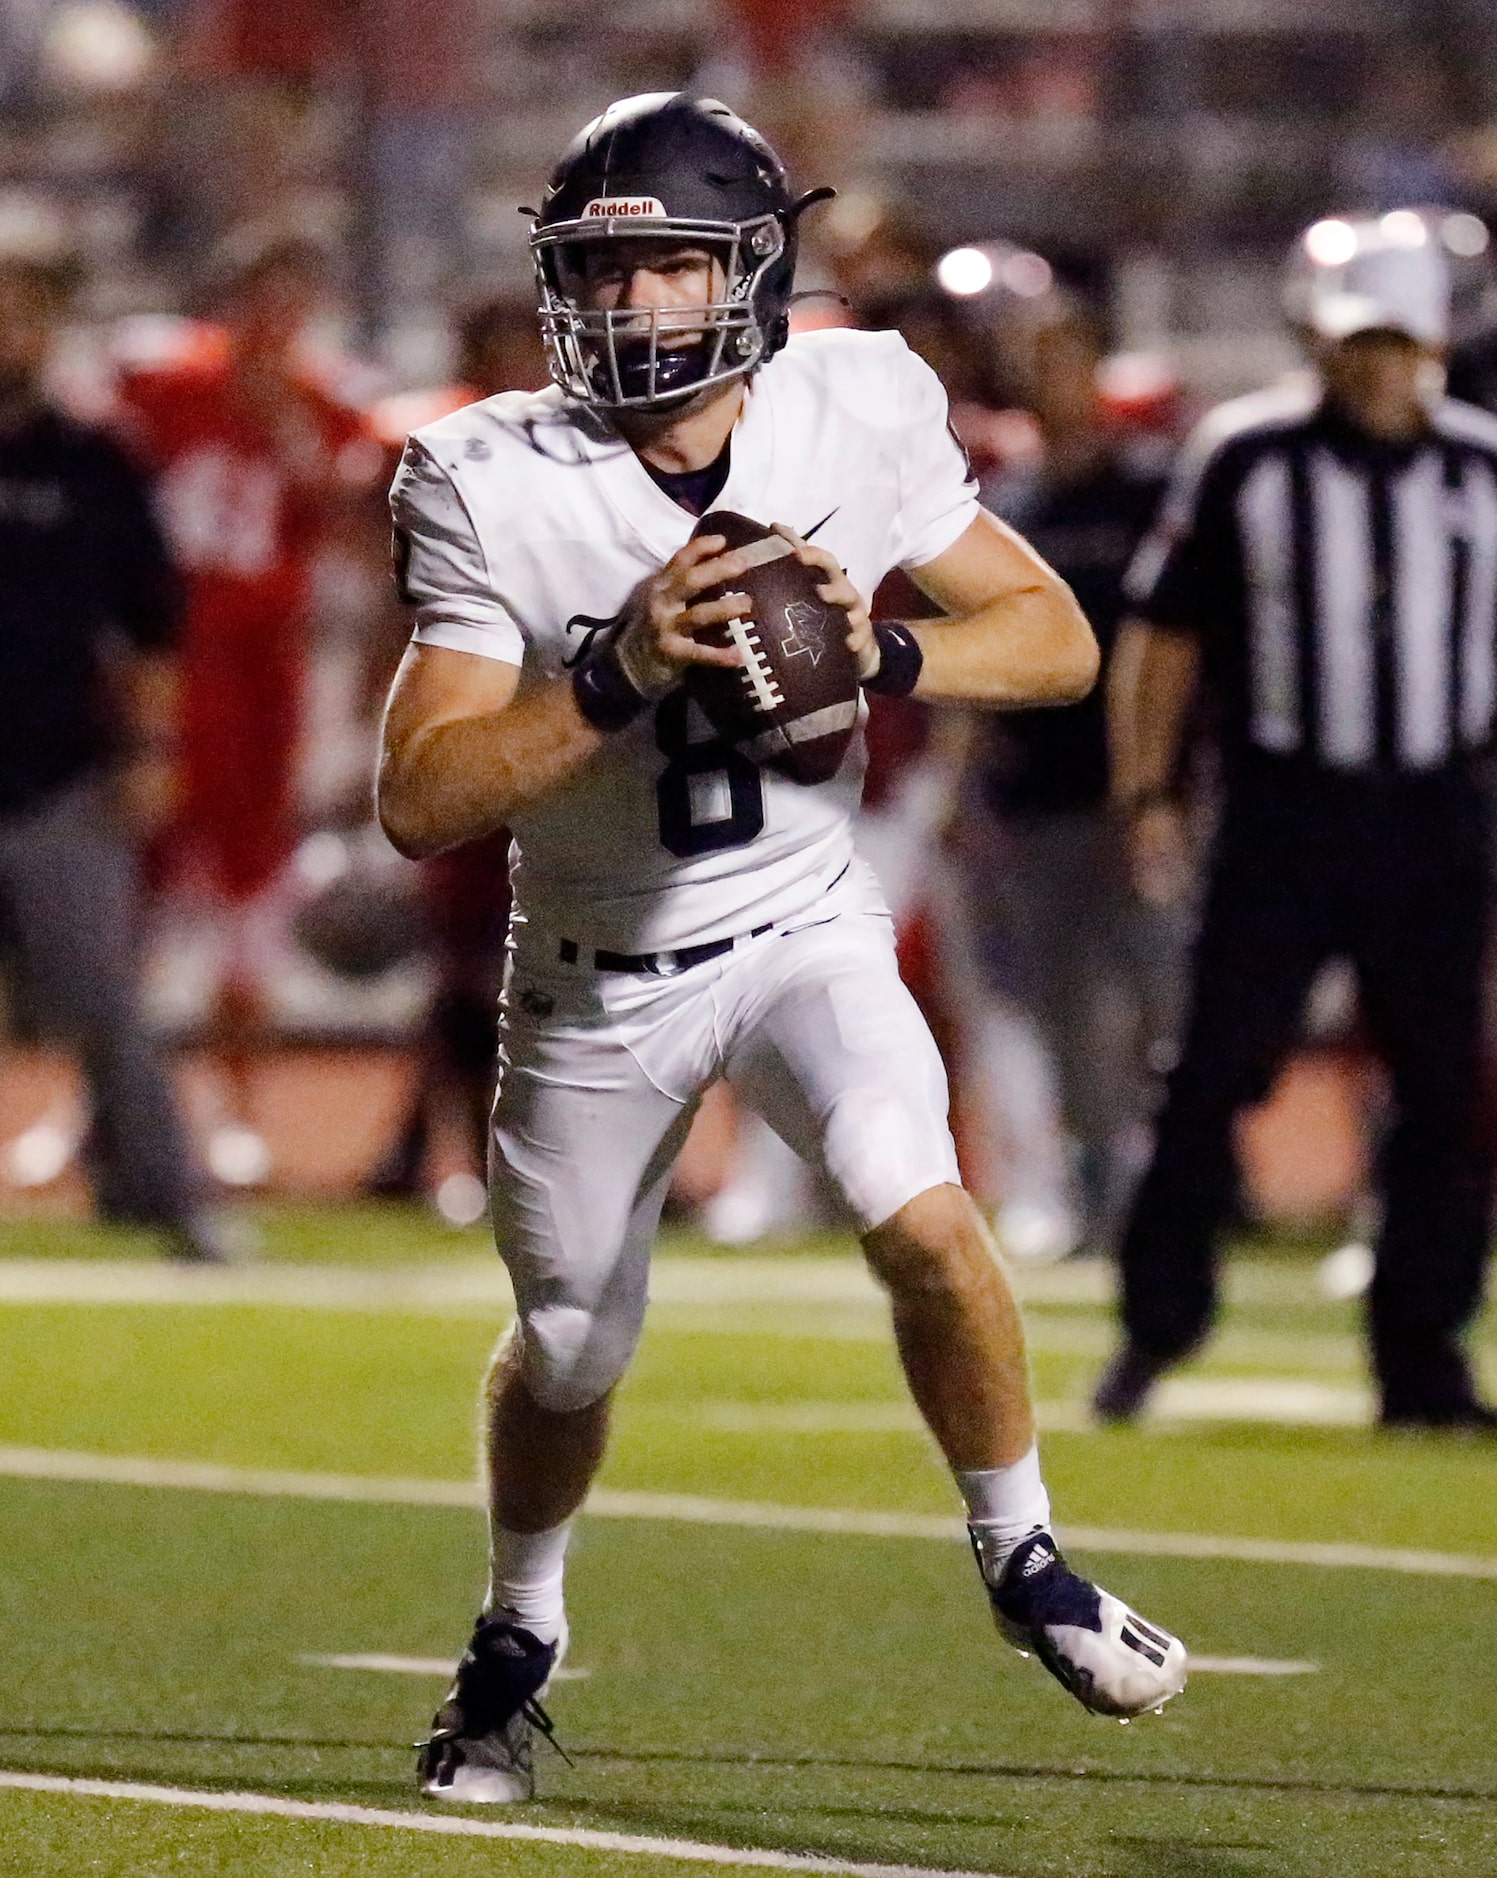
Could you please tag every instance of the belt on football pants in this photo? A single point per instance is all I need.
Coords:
(656, 964)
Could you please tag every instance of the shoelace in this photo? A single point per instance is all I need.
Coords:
(543, 1724)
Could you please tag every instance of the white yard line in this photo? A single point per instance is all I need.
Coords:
(794, 1418)
(694, 1509)
(820, 1299)
(380, 1664)
(449, 1285)
(1292, 1401)
(419, 1666)
(460, 1288)
(1250, 1666)
(129, 1470)
(462, 1826)
(386, 1665)
(736, 1278)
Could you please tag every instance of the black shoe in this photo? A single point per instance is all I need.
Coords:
(1127, 1383)
(482, 1741)
(1110, 1658)
(1464, 1417)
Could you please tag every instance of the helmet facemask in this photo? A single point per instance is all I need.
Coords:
(632, 358)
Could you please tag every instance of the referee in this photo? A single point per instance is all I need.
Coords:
(1326, 560)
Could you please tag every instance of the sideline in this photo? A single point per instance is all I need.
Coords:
(693, 1509)
(463, 1826)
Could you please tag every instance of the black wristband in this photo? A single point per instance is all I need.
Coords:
(605, 695)
(899, 661)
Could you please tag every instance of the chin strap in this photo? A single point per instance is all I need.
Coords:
(820, 293)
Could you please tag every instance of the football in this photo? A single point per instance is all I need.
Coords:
(793, 704)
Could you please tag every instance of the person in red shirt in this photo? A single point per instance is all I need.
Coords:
(257, 466)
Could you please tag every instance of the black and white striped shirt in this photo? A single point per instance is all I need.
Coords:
(1344, 589)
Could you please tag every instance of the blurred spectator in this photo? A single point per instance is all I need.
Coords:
(498, 349)
(879, 254)
(1057, 928)
(257, 467)
(1392, 154)
(407, 68)
(1327, 557)
(89, 610)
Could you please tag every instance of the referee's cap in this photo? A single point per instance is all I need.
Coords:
(1384, 273)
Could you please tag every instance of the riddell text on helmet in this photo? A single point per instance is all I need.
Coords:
(607, 206)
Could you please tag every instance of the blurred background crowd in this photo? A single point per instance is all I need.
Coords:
(258, 241)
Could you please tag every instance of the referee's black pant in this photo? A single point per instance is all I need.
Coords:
(1391, 875)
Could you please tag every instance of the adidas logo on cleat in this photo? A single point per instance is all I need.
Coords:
(1135, 1632)
(1112, 1660)
(1039, 1559)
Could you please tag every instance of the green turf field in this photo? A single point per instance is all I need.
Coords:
(773, 1685)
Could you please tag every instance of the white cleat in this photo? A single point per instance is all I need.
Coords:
(1112, 1660)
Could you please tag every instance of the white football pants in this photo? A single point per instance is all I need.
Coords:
(601, 1073)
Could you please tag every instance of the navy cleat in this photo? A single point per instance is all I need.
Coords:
(482, 1745)
(1110, 1659)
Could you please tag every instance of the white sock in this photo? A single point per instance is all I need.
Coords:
(1005, 1505)
(525, 1575)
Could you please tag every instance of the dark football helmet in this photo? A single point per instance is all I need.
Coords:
(668, 167)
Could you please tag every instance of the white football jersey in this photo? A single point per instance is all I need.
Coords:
(524, 523)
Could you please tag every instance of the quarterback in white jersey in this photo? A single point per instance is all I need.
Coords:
(682, 913)
(528, 528)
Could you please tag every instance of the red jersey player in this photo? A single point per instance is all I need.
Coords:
(256, 466)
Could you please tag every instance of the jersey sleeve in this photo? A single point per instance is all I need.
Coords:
(441, 570)
(938, 494)
(1175, 577)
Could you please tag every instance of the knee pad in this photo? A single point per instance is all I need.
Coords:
(882, 1150)
(570, 1357)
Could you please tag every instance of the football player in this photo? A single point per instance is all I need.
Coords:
(682, 914)
(258, 467)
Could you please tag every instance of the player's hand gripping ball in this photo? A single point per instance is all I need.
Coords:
(793, 704)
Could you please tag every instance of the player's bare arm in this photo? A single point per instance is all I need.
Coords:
(1150, 682)
(462, 751)
(1013, 635)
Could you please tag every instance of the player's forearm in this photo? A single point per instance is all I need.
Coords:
(446, 783)
(1150, 680)
(1029, 648)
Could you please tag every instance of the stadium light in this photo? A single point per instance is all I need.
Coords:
(1403, 228)
(98, 45)
(1464, 234)
(1330, 243)
(965, 272)
(1028, 275)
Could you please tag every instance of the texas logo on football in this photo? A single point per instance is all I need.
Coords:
(807, 634)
